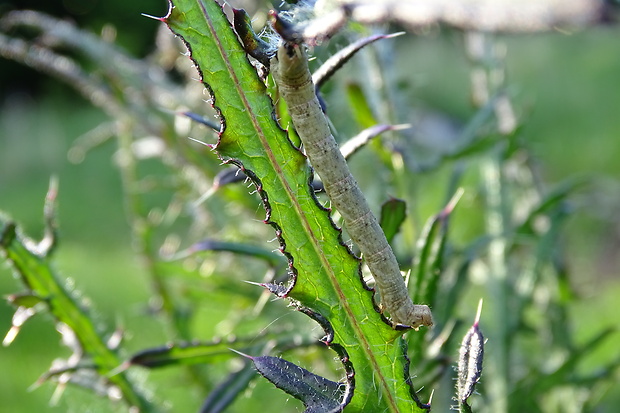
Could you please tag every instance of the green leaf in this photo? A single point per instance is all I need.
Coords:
(210, 352)
(393, 213)
(27, 300)
(354, 144)
(326, 284)
(228, 390)
(362, 112)
(565, 373)
(233, 247)
(179, 354)
(317, 393)
(428, 263)
(36, 273)
(336, 61)
(552, 200)
(253, 45)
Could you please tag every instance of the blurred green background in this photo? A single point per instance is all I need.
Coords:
(567, 88)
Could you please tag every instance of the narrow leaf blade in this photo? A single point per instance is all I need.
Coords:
(317, 393)
(393, 214)
(37, 275)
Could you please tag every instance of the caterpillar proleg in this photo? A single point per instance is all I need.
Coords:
(292, 75)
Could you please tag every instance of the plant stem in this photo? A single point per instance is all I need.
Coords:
(495, 220)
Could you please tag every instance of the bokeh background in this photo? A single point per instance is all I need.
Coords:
(567, 86)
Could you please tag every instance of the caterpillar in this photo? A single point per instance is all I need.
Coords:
(289, 68)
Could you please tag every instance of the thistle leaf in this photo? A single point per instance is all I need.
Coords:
(393, 213)
(36, 273)
(362, 111)
(338, 60)
(253, 45)
(317, 393)
(326, 281)
(228, 390)
(179, 354)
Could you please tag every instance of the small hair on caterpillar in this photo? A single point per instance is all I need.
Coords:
(294, 80)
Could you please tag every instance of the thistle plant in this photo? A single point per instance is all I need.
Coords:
(390, 302)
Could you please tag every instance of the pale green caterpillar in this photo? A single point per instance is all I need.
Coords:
(292, 75)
